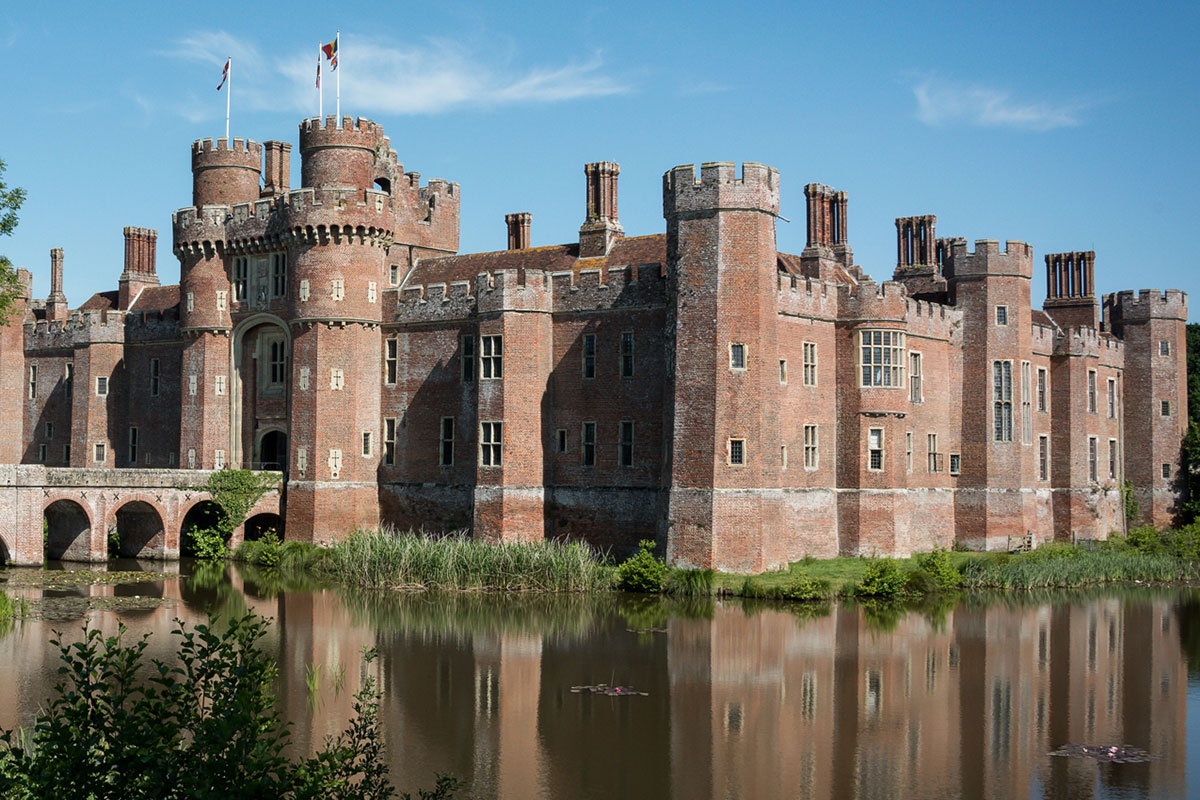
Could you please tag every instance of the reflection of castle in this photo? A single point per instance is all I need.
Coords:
(768, 405)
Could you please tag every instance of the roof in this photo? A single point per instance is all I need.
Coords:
(1040, 317)
(152, 298)
(634, 250)
(101, 301)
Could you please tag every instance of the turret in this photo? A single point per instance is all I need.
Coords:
(140, 250)
(56, 303)
(1070, 289)
(356, 155)
(601, 227)
(224, 175)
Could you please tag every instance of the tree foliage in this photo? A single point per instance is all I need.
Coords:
(10, 204)
(1191, 442)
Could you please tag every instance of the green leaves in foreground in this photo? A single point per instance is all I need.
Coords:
(203, 727)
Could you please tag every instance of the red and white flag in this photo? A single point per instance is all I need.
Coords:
(318, 72)
(224, 74)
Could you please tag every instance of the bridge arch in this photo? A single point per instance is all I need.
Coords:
(68, 531)
(141, 530)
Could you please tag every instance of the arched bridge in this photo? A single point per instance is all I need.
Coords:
(65, 513)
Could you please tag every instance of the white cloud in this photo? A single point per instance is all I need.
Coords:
(432, 77)
(945, 102)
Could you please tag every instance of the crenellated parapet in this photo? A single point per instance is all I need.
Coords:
(1089, 342)
(635, 285)
(874, 302)
(81, 328)
(1142, 306)
(719, 187)
(1015, 260)
(223, 174)
(435, 302)
(798, 296)
(513, 290)
(353, 155)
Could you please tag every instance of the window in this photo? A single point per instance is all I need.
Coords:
(737, 356)
(1112, 398)
(49, 430)
(155, 377)
(171, 458)
(1164, 347)
(391, 361)
(191, 385)
(881, 357)
(783, 457)
(1166, 472)
(219, 460)
(32, 381)
(561, 435)
(133, 445)
(241, 278)
(588, 442)
(191, 458)
(276, 361)
(389, 442)
(1002, 401)
(1041, 389)
(492, 360)
(69, 379)
(1091, 390)
(337, 289)
(955, 463)
(915, 394)
(99, 453)
(875, 449)
(367, 444)
(372, 291)
(1112, 458)
(191, 301)
(932, 453)
(1166, 408)
(1043, 458)
(335, 463)
(337, 379)
(101, 386)
(908, 451)
(301, 461)
(737, 451)
(222, 299)
(220, 385)
(67, 454)
(1026, 405)
(278, 275)
(589, 355)
(489, 444)
(783, 370)
(811, 450)
(41, 454)
(625, 454)
(304, 373)
(627, 354)
(810, 364)
(394, 275)
(1092, 457)
(304, 290)
(1001, 315)
(446, 455)
(467, 359)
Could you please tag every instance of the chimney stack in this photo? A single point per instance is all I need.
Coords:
(518, 229)
(278, 168)
(56, 303)
(140, 248)
(601, 228)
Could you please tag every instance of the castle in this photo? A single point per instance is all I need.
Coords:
(744, 407)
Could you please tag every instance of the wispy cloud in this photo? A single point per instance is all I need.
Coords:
(435, 76)
(946, 102)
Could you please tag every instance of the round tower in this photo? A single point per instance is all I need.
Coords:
(224, 175)
(340, 157)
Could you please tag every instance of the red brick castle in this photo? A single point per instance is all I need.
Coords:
(744, 406)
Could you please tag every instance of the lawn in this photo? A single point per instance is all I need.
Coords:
(838, 571)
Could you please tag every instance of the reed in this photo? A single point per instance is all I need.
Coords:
(385, 558)
(1077, 568)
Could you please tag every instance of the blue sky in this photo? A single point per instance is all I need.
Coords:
(1070, 126)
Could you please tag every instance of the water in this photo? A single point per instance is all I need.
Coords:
(743, 701)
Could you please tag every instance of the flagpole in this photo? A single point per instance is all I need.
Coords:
(338, 51)
(320, 88)
(228, 92)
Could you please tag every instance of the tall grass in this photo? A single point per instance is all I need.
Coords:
(1077, 568)
(385, 558)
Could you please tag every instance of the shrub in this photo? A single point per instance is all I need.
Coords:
(206, 543)
(123, 729)
(805, 588)
(643, 571)
(882, 579)
(943, 575)
(690, 582)
(263, 552)
(1183, 543)
(1145, 540)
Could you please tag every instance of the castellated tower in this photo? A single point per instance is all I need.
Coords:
(724, 501)
(1153, 326)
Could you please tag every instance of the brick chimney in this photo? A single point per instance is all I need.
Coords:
(140, 247)
(1071, 289)
(56, 303)
(601, 227)
(518, 229)
(278, 168)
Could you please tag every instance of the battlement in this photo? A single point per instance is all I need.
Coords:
(1015, 260)
(1087, 341)
(219, 151)
(351, 126)
(719, 187)
(807, 297)
(875, 301)
(80, 328)
(1144, 305)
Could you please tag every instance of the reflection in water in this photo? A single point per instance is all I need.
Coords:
(745, 700)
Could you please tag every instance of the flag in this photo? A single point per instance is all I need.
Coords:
(330, 51)
(224, 74)
(318, 73)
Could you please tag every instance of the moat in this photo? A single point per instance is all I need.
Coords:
(740, 700)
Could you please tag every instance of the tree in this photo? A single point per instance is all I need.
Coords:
(10, 204)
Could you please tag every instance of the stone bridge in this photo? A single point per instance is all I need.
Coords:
(65, 513)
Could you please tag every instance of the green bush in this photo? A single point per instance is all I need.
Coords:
(1183, 543)
(205, 543)
(943, 575)
(883, 579)
(1145, 540)
(123, 729)
(805, 588)
(643, 571)
(263, 552)
(690, 582)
